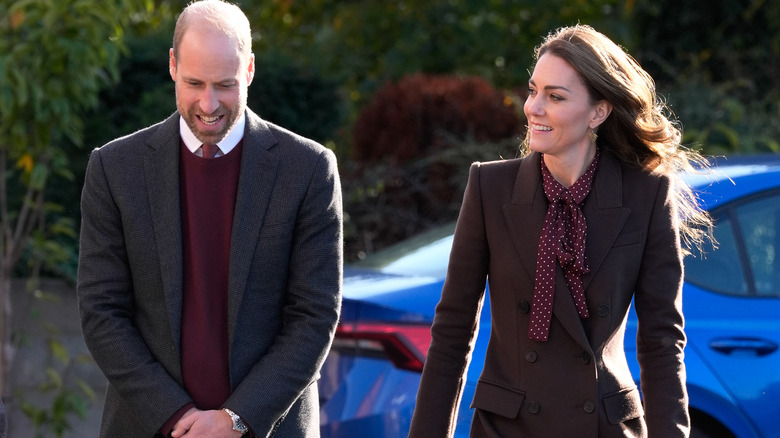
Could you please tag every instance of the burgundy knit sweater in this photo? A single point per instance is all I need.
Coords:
(208, 198)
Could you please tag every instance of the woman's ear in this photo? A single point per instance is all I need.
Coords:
(602, 110)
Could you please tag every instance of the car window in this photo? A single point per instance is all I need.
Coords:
(718, 269)
(760, 225)
(746, 261)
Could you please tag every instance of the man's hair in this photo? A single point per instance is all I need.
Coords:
(220, 14)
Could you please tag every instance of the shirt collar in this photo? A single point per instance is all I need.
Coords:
(226, 145)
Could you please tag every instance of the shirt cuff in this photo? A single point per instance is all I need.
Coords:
(167, 428)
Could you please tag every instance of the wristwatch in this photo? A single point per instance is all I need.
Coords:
(238, 424)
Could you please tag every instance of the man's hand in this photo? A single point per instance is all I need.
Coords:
(205, 424)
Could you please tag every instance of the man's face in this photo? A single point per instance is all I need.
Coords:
(211, 82)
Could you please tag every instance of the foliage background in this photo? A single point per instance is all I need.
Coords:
(320, 63)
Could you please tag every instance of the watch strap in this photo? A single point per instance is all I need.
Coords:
(238, 424)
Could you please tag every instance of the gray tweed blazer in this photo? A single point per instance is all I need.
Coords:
(284, 281)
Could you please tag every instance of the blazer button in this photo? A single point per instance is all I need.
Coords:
(534, 407)
(589, 406)
(603, 310)
(531, 356)
(585, 357)
(525, 306)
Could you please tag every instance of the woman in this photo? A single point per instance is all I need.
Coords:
(566, 237)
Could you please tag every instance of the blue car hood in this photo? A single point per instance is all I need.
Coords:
(418, 294)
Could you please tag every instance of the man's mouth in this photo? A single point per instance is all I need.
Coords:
(209, 120)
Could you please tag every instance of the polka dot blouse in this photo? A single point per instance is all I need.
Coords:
(562, 241)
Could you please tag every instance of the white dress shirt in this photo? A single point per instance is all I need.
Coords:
(225, 146)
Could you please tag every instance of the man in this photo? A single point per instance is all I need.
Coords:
(209, 288)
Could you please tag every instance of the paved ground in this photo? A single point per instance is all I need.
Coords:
(36, 321)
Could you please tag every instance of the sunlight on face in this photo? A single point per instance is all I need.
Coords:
(559, 109)
(212, 81)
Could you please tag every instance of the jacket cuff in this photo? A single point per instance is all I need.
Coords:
(167, 428)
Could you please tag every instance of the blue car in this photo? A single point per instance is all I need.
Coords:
(731, 304)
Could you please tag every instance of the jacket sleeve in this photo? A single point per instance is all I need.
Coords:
(106, 304)
(456, 321)
(660, 336)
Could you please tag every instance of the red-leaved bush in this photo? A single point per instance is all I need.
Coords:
(408, 119)
(412, 147)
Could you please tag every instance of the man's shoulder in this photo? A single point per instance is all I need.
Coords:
(137, 141)
(281, 138)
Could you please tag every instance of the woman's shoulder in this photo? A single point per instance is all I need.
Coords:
(632, 173)
(505, 165)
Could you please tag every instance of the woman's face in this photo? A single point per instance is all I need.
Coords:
(559, 109)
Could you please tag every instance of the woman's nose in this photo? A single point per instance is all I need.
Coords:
(533, 106)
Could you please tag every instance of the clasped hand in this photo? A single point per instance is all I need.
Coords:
(204, 424)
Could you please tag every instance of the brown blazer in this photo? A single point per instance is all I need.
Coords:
(578, 383)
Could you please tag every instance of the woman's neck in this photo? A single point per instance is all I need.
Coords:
(567, 169)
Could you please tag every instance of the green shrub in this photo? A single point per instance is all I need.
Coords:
(296, 98)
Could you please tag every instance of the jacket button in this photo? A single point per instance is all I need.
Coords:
(534, 407)
(525, 306)
(589, 406)
(585, 357)
(603, 310)
(531, 356)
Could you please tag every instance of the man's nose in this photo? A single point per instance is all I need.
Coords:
(209, 101)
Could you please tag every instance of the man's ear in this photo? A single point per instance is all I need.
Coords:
(250, 69)
(172, 65)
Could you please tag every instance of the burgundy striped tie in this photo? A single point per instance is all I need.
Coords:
(209, 150)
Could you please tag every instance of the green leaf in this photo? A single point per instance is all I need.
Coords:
(86, 389)
(59, 351)
(38, 176)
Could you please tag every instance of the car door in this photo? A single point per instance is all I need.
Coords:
(732, 307)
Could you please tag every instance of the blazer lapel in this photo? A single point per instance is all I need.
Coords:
(604, 213)
(255, 185)
(526, 211)
(161, 171)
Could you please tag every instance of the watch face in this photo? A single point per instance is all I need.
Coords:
(239, 425)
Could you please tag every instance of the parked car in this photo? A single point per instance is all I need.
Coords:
(731, 302)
